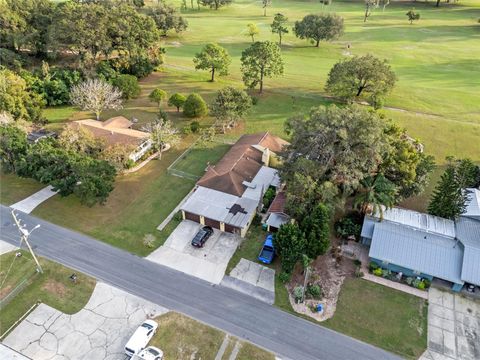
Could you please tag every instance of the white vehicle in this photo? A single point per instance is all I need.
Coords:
(150, 353)
(140, 338)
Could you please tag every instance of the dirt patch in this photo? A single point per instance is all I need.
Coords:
(56, 288)
(329, 271)
(5, 291)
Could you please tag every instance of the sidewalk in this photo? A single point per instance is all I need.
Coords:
(27, 205)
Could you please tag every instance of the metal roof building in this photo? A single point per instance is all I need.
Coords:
(421, 243)
(422, 252)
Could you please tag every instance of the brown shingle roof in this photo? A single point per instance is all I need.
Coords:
(117, 122)
(241, 163)
(278, 204)
(111, 134)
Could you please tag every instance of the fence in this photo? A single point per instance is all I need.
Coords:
(21, 285)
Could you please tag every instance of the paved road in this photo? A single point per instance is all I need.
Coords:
(284, 334)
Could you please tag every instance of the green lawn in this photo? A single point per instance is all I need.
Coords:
(183, 338)
(436, 62)
(53, 287)
(14, 188)
(390, 319)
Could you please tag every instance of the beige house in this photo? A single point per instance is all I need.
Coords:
(118, 130)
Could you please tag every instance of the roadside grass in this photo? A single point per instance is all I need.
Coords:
(249, 352)
(381, 316)
(183, 338)
(14, 188)
(137, 205)
(53, 287)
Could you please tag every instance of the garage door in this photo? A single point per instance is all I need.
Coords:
(232, 229)
(213, 223)
(193, 217)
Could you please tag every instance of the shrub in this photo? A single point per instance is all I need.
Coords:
(177, 100)
(254, 100)
(194, 126)
(416, 282)
(105, 71)
(128, 85)
(348, 226)
(359, 273)
(427, 283)
(268, 197)
(315, 291)
(357, 262)
(387, 274)
(409, 280)
(421, 285)
(162, 115)
(298, 294)
(372, 266)
(186, 130)
(178, 216)
(195, 106)
(284, 277)
(378, 272)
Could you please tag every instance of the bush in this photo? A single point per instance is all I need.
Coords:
(195, 106)
(315, 291)
(105, 71)
(178, 216)
(409, 280)
(268, 197)
(359, 273)
(284, 277)
(416, 282)
(298, 294)
(387, 274)
(348, 226)
(149, 240)
(378, 272)
(194, 126)
(128, 84)
(162, 115)
(421, 285)
(186, 130)
(11, 60)
(372, 266)
(427, 283)
(357, 262)
(254, 100)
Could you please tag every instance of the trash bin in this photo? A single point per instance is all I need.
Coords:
(264, 227)
(319, 308)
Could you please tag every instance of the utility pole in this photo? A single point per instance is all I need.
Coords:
(24, 237)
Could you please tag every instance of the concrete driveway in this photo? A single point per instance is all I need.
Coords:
(208, 263)
(99, 331)
(453, 326)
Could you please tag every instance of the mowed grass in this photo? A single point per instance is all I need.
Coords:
(183, 338)
(435, 61)
(53, 287)
(388, 318)
(14, 188)
(138, 204)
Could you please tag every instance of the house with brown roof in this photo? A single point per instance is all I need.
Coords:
(276, 215)
(229, 194)
(118, 130)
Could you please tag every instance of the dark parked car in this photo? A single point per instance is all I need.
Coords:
(202, 236)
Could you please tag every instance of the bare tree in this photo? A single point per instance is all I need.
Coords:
(163, 135)
(265, 4)
(369, 6)
(96, 95)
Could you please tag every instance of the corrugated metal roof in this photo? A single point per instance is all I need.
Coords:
(468, 231)
(471, 265)
(432, 254)
(368, 226)
(473, 203)
(426, 222)
(276, 220)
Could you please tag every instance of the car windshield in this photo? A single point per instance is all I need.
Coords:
(199, 235)
(147, 326)
(153, 351)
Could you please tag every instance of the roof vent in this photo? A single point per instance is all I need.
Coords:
(249, 184)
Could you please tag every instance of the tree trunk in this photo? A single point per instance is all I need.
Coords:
(261, 81)
(191, 3)
(438, 3)
(318, 43)
(360, 89)
(264, 11)
(253, 38)
(213, 74)
(178, 108)
(160, 152)
(280, 35)
(97, 113)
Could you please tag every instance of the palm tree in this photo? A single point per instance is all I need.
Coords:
(376, 192)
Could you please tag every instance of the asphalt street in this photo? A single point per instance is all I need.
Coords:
(286, 335)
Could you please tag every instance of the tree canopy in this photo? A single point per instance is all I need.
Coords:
(214, 58)
(259, 61)
(166, 18)
(195, 106)
(359, 76)
(229, 106)
(279, 26)
(317, 27)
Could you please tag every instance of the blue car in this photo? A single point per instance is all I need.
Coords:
(268, 251)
